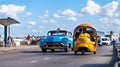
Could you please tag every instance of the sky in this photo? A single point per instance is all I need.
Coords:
(37, 17)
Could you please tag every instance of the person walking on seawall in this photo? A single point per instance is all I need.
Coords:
(113, 38)
(28, 39)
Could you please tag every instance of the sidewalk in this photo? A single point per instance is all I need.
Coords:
(2, 49)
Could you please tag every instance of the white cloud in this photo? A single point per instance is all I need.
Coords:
(34, 30)
(72, 19)
(48, 21)
(52, 21)
(29, 13)
(110, 8)
(91, 8)
(110, 21)
(11, 10)
(46, 14)
(56, 15)
(68, 12)
(69, 15)
(107, 10)
(104, 20)
(117, 14)
(41, 27)
(32, 23)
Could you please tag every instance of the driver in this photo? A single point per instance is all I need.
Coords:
(84, 33)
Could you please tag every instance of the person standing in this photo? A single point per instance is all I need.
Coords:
(113, 38)
(10, 39)
(28, 39)
(1, 42)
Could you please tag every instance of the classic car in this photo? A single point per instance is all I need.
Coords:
(57, 39)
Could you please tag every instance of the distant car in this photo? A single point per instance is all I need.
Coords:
(57, 39)
(105, 40)
(99, 41)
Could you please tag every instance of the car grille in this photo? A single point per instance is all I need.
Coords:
(49, 44)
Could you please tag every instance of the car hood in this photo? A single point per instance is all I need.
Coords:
(106, 41)
(54, 38)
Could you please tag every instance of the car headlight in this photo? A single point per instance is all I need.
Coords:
(65, 39)
(41, 42)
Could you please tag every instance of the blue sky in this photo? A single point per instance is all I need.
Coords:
(37, 17)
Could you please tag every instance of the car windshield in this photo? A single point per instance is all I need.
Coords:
(61, 33)
(104, 39)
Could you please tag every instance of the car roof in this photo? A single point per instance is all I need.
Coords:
(58, 31)
(105, 37)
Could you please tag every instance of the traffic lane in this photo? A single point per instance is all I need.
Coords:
(35, 58)
(103, 58)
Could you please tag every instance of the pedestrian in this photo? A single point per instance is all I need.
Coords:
(113, 38)
(1, 42)
(28, 39)
(10, 40)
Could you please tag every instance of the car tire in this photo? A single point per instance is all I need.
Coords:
(83, 51)
(44, 50)
(75, 52)
(66, 49)
(52, 50)
(72, 49)
(94, 52)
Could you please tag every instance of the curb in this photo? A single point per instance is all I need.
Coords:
(117, 51)
(2, 49)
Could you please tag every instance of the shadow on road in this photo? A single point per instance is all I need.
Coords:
(110, 64)
(30, 51)
(58, 53)
(97, 65)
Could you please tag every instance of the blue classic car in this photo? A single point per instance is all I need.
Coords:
(57, 39)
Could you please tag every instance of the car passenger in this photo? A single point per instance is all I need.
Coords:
(92, 36)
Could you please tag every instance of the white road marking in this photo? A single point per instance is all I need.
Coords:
(47, 58)
(34, 61)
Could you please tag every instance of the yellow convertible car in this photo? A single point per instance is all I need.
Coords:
(85, 39)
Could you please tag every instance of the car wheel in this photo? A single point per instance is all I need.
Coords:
(83, 51)
(44, 50)
(52, 50)
(66, 49)
(94, 52)
(75, 52)
(72, 49)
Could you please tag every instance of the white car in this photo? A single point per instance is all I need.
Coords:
(105, 40)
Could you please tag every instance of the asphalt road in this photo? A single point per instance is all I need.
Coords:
(35, 58)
